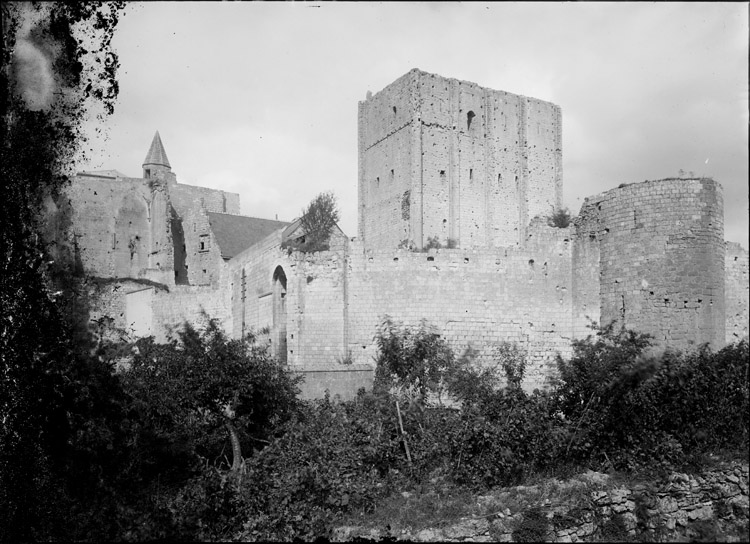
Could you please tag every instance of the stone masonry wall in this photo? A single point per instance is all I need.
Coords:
(711, 506)
(252, 287)
(449, 159)
(736, 292)
(662, 259)
(185, 197)
(186, 303)
(475, 298)
(121, 228)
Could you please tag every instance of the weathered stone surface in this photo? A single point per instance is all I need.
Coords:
(468, 528)
(429, 535)
(581, 519)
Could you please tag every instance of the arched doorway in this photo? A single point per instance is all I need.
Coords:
(278, 334)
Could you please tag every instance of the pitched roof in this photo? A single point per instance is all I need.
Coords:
(156, 153)
(236, 233)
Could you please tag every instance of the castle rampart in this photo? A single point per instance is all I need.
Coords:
(736, 288)
(661, 259)
(475, 168)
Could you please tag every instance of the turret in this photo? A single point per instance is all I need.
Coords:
(156, 163)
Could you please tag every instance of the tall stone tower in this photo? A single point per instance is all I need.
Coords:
(449, 159)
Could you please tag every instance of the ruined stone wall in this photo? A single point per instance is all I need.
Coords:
(121, 228)
(186, 197)
(662, 259)
(203, 262)
(252, 286)
(449, 159)
(186, 303)
(586, 269)
(708, 507)
(475, 298)
(316, 304)
(736, 292)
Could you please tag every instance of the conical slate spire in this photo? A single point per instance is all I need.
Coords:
(156, 154)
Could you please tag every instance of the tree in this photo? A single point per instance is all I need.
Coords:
(317, 223)
(202, 384)
(58, 402)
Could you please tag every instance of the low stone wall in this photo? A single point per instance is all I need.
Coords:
(340, 381)
(712, 506)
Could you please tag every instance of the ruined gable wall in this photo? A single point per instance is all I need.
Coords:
(186, 197)
(736, 295)
(203, 262)
(662, 260)
(121, 228)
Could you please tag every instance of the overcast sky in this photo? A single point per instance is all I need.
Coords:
(261, 98)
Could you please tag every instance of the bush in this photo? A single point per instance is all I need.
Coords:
(411, 357)
(560, 218)
(631, 411)
(331, 460)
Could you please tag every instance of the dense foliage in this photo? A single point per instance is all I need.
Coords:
(560, 218)
(317, 222)
(61, 427)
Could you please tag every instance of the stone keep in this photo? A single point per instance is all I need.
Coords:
(444, 158)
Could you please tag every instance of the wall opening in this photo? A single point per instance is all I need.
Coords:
(178, 247)
(469, 118)
(278, 334)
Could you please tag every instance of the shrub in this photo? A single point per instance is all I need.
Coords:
(560, 218)
(411, 356)
(631, 411)
(331, 460)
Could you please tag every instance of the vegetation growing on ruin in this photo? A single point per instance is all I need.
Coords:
(561, 218)
(317, 222)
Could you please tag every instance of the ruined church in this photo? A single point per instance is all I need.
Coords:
(445, 163)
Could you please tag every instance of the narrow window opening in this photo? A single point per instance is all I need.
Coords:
(471, 174)
(469, 118)
(394, 110)
(114, 240)
(148, 173)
